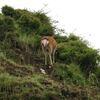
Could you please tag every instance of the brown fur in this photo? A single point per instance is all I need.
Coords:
(50, 48)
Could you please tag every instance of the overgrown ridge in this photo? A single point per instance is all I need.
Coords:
(14, 69)
(74, 76)
(22, 70)
(25, 83)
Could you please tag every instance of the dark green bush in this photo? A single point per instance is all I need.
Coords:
(6, 25)
(46, 27)
(61, 39)
(70, 51)
(8, 11)
(68, 73)
(46, 30)
(97, 73)
(29, 23)
(73, 37)
(19, 13)
(9, 24)
(88, 60)
(42, 16)
(77, 51)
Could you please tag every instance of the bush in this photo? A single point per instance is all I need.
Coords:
(61, 39)
(6, 25)
(42, 16)
(88, 61)
(46, 27)
(46, 30)
(8, 11)
(74, 50)
(97, 73)
(70, 51)
(29, 23)
(68, 73)
(73, 37)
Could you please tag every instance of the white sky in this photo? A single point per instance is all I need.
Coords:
(79, 16)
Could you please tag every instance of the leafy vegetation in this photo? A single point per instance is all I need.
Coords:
(74, 76)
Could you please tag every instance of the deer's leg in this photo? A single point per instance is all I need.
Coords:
(45, 54)
(54, 55)
(45, 58)
(51, 63)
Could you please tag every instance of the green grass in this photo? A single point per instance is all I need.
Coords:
(26, 38)
(43, 87)
(69, 74)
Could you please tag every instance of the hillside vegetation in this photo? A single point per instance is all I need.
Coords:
(74, 76)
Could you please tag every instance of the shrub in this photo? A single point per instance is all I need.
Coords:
(74, 50)
(69, 73)
(61, 39)
(29, 23)
(42, 16)
(88, 60)
(93, 80)
(46, 27)
(6, 25)
(8, 11)
(97, 73)
(73, 37)
(46, 30)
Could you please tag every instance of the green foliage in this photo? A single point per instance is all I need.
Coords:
(25, 88)
(97, 73)
(42, 16)
(69, 74)
(28, 39)
(93, 80)
(61, 39)
(37, 22)
(36, 43)
(8, 11)
(40, 87)
(70, 51)
(21, 12)
(29, 23)
(21, 31)
(75, 50)
(46, 27)
(73, 37)
(5, 78)
(47, 30)
(31, 40)
(88, 60)
(6, 25)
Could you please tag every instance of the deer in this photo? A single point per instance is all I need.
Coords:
(49, 47)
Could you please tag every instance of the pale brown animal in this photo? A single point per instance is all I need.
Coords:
(49, 46)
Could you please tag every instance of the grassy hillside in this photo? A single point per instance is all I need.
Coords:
(74, 76)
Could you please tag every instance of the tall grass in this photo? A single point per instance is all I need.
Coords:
(26, 38)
